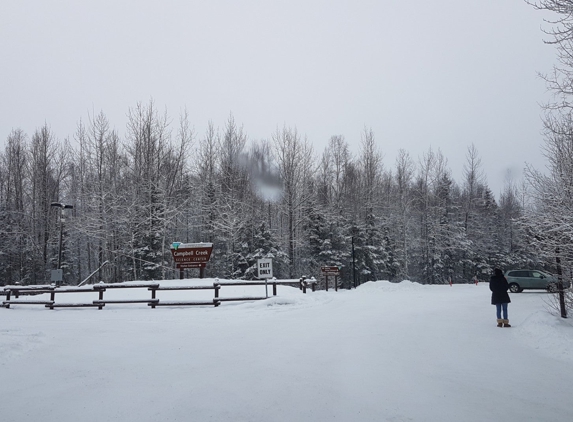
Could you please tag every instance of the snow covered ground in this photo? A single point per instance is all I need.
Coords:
(382, 352)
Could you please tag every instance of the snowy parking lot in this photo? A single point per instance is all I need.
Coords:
(382, 352)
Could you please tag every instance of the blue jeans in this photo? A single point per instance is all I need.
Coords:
(499, 307)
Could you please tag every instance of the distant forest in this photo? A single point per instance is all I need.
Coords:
(133, 196)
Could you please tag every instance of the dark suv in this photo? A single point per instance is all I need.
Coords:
(532, 279)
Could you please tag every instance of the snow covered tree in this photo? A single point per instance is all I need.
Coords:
(549, 220)
(294, 159)
(15, 259)
(232, 203)
(473, 187)
(98, 184)
(206, 191)
(262, 244)
(560, 81)
(437, 232)
(371, 169)
(47, 164)
(551, 215)
(133, 196)
(401, 214)
(156, 198)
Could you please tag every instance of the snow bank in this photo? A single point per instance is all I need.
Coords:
(387, 286)
(548, 334)
(382, 352)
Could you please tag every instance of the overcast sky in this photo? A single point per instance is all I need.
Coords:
(442, 74)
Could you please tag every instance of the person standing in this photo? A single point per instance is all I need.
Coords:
(499, 296)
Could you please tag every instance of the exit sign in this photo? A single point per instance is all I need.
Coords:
(265, 267)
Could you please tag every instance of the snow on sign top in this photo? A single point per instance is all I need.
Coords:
(179, 245)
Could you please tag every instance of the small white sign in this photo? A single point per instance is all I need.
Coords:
(57, 275)
(265, 267)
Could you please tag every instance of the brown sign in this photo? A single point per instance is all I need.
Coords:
(330, 270)
(187, 253)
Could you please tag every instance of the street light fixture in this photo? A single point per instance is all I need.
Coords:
(62, 208)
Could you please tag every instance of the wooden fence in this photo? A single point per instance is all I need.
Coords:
(13, 293)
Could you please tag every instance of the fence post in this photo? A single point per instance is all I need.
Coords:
(274, 288)
(52, 298)
(152, 297)
(100, 307)
(8, 293)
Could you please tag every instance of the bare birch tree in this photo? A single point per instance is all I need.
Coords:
(371, 166)
(294, 158)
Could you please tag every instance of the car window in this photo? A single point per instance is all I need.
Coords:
(537, 274)
(519, 274)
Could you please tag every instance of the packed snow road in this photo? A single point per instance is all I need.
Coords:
(382, 352)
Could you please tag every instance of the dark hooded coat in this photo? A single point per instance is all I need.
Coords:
(499, 286)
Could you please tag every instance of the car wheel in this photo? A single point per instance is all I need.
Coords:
(514, 288)
(552, 288)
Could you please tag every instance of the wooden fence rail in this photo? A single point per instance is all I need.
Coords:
(153, 301)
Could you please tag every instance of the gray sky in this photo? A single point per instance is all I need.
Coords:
(420, 73)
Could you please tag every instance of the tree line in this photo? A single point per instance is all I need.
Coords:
(132, 196)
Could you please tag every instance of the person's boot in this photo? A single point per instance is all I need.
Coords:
(500, 322)
(506, 323)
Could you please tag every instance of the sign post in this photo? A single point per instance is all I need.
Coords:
(191, 255)
(265, 269)
(331, 270)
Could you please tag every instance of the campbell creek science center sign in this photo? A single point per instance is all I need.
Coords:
(191, 255)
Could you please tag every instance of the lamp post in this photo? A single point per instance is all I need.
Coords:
(62, 208)
(353, 264)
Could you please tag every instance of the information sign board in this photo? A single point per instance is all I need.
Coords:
(330, 270)
(184, 253)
